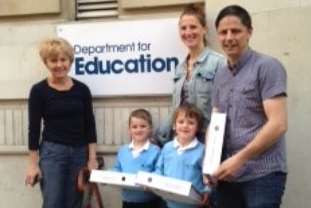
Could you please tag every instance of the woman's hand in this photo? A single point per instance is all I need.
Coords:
(33, 175)
(92, 164)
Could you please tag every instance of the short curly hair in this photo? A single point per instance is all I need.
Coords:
(52, 47)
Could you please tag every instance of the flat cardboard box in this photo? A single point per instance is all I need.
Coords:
(215, 139)
(169, 188)
(113, 178)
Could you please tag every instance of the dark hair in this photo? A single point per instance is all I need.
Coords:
(190, 111)
(142, 114)
(237, 11)
(197, 11)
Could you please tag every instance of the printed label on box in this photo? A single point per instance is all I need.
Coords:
(123, 180)
(169, 188)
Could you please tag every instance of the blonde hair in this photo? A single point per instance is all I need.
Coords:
(53, 47)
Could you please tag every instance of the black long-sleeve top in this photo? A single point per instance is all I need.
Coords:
(67, 115)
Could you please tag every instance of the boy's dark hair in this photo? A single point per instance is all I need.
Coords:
(237, 11)
(142, 114)
(191, 111)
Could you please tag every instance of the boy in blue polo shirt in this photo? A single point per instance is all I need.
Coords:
(182, 157)
(140, 154)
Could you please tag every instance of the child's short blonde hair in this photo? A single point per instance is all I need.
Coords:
(190, 111)
(142, 114)
(53, 47)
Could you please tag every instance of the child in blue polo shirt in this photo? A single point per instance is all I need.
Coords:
(182, 157)
(140, 154)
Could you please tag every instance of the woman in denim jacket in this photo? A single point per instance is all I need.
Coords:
(194, 76)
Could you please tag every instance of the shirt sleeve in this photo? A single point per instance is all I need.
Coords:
(35, 113)
(215, 94)
(156, 157)
(159, 167)
(89, 117)
(117, 165)
(272, 79)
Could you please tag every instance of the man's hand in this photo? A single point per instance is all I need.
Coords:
(229, 168)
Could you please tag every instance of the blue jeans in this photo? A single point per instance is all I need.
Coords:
(264, 192)
(60, 165)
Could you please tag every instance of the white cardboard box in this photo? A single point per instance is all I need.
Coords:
(169, 188)
(122, 180)
(215, 139)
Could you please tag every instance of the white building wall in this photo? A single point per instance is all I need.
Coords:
(282, 29)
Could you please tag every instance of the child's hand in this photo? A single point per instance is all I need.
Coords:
(209, 180)
(205, 180)
(145, 188)
(204, 200)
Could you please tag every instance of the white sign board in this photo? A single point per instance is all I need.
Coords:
(125, 57)
(215, 139)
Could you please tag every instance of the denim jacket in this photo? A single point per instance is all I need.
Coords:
(201, 84)
(199, 88)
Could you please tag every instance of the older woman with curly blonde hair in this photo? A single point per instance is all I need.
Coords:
(68, 136)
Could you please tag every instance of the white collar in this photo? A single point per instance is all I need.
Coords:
(137, 152)
(181, 149)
